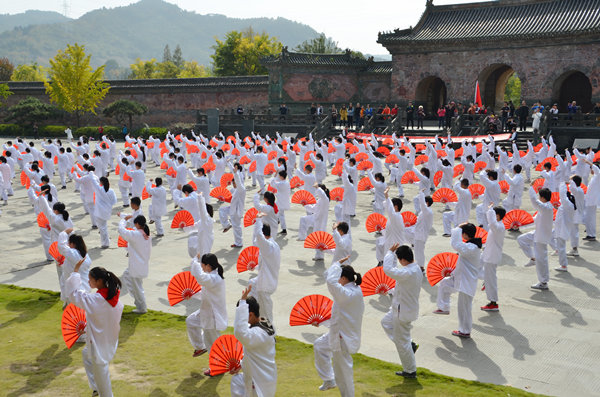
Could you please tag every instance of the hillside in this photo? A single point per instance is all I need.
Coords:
(139, 30)
(28, 18)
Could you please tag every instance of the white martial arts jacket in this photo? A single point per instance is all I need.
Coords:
(202, 185)
(405, 301)
(205, 228)
(258, 364)
(103, 320)
(394, 230)
(159, 200)
(282, 197)
(188, 203)
(492, 190)
(579, 195)
(269, 260)
(543, 220)
(515, 190)
(72, 256)
(492, 253)
(271, 218)
(57, 222)
(139, 247)
(463, 206)
(347, 311)
(104, 202)
(379, 188)
(350, 193)
(309, 180)
(424, 220)
(343, 245)
(320, 210)
(238, 196)
(565, 216)
(212, 297)
(468, 265)
(592, 197)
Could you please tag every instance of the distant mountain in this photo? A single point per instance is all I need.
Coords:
(28, 18)
(140, 30)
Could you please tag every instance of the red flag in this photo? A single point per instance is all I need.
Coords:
(477, 95)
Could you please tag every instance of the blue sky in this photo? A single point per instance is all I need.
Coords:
(353, 24)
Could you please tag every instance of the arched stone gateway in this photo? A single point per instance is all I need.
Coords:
(492, 82)
(431, 93)
(573, 86)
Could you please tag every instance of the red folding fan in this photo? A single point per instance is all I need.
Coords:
(53, 251)
(163, 165)
(42, 221)
(504, 186)
(421, 159)
(226, 179)
(72, 324)
(336, 194)
(555, 199)
(375, 223)
(145, 194)
(441, 266)
(517, 218)
(459, 169)
(307, 155)
(252, 167)
(362, 156)
(437, 178)
(550, 160)
(269, 169)
(209, 166)
(271, 189)
(383, 150)
(476, 190)
(182, 287)
(480, 233)
(250, 217)
(311, 309)
(337, 170)
(226, 147)
(319, 240)
(409, 218)
(392, 159)
(248, 259)
(225, 355)
(441, 153)
(375, 281)
(121, 242)
(25, 180)
(221, 193)
(118, 169)
(364, 165)
(272, 155)
(309, 162)
(245, 160)
(409, 177)
(303, 197)
(126, 177)
(538, 184)
(171, 172)
(365, 184)
(387, 141)
(444, 195)
(296, 182)
(182, 219)
(480, 165)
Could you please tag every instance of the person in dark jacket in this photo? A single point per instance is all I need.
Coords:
(522, 113)
(410, 115)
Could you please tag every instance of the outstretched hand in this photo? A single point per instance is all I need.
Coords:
(394, 247)
(246, 292)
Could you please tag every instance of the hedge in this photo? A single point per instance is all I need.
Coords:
(58, 131)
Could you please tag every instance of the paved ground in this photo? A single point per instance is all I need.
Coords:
(545, 342)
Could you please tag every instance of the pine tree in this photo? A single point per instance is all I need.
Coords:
(167, 54)
(178, 57)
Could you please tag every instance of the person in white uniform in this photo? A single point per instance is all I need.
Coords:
(397, 323)
(563, 226)
(104, 201)
(282, 197)
(419, 232)
(463, 279)
(73, 248)
(394, 229)
(489, 179)
(139, 247)
(158, 206)
(592, 200)
(103, 316)
(515, 191)
(462, 208)
(492, 255)
(333, 350)
(231, 216)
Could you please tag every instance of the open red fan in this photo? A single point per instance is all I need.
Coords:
(296, 182)
(375, 281)
(221, 193)
(437, 178)
(441, 266)
(163, 165)
(248, 259)
(303, 197)
(538, 184)
(252, 167)
(171, 172)
(145, 194)
(72, 324)
(25, 180)
(504, 186)
(517, 218)
(209, 166)
(182, 219)
(555, 199)
(459, 169)
(441, 153)
(307, 155)
(269, 169)
(392, 159)
(550, 160)
(226, 179)
(387, 141)
(362, 156)
(311, 309)
(337, 170)
(117, 169)
(319, 240)
(127, 178)
(477, 190)
(421, 159)
(225, 355)
(53, 251)
(182, 287)
(365, 184)
(309, 162)
(375, 223)
(364, 165)
(336, 194)
(271, 189)
(409, 218)
(480, 233)
(42, 221)
(444, 195)
(121, 242)
(383, 150)
(272, 155)
(250, 217)
(409, 177)
(480, 165)
(245, 160)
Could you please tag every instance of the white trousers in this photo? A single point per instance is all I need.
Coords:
(193, 244)
(103, 229)
(491, 281)
(226, 218)
(89, 208)
(135, 287)
(419, 249)
(464, 304)
(124, 194)
(560, 246)
(157, 221)
(261, 182)
(449, 220)
(402, 340)
(200, 338)
(539, 251)
(387, 323)
(282, 222)
(306, 222)
(480, 213)
(589, 220)
(46, 241)
(97, 373)
(63, 175)
(341, 371)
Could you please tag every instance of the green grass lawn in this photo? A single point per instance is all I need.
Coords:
(154, 359)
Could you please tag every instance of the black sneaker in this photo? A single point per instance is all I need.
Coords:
(409, 375)
(284, 231)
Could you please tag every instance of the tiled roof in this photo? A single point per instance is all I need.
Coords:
(299, 58)
(500, 20)
(380, 67)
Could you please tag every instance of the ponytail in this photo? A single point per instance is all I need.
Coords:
(109, 280)
(105, 183)
(212, 261)
(141, 220)
(47, 189)
(352, 276)
(61, 209)
(80, 246)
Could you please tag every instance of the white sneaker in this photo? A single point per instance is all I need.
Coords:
(540, 286)
(573, 253)
(328, 384)
(530, 263)
(555, 253)
(138, 311)
(561, 269)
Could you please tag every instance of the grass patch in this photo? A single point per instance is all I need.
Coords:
(154, 359)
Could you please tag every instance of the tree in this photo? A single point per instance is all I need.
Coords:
(29, 111)
(6, 69)
(512, 92)
(319, 45)
(74, 85)
(192, 69)
(166, 70)
(143, 69)
(167, 54)
(4, 92)
(124, 108)
(178, 57)
(240, 53)
(33, 72)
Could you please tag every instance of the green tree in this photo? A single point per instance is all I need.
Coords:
(240, 53)
(143, 69)
(512, 92)
(29, 111)
(33, 72)
(167, 54)
(124, 108)
(74, 85)
(4, 93)
(6, 69)
(166, 70)
(178, 57)
(192, 69)
(319, 45)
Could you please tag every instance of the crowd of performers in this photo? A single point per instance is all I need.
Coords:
(566, 196)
